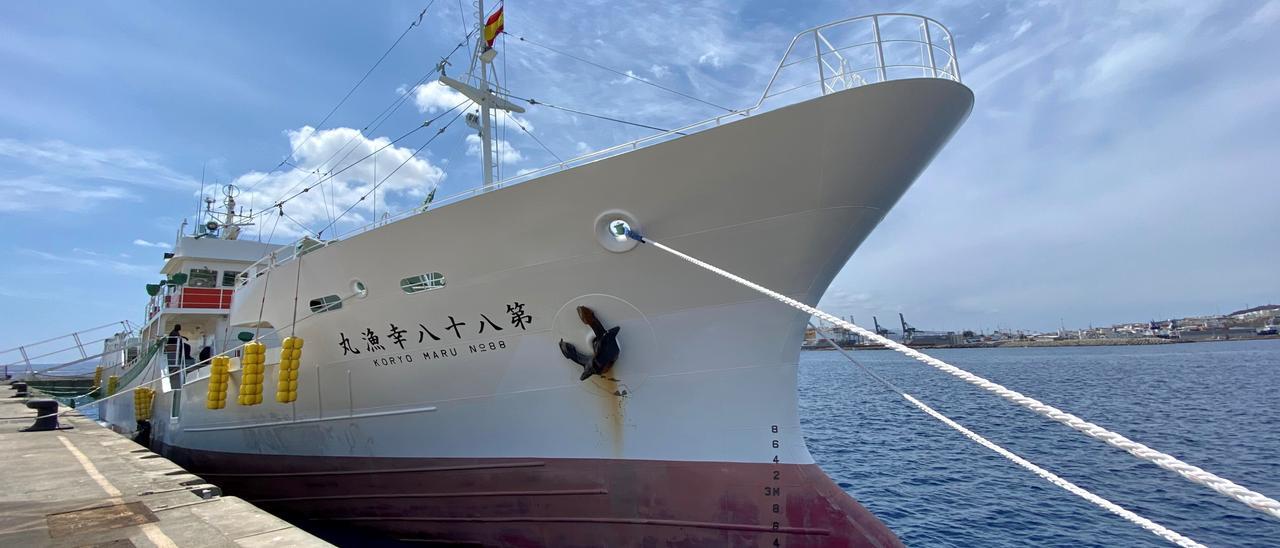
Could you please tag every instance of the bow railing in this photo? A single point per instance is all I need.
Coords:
(862, 50)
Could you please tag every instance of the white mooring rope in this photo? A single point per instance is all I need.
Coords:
(1160, 530)
(1252, 499)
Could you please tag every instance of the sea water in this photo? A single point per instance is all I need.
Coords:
(1214, 404)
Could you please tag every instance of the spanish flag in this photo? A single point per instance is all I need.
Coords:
(493, 26)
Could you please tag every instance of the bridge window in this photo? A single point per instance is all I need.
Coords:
(326, 303)
(201, 277)
(229, 278)
(422, 282)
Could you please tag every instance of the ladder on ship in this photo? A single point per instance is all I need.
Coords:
(66, 350)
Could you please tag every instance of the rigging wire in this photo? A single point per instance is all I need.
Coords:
(331, 175)
(600, 116)
(530, 134)
(273, 231)
(402, 164)
(317, 127)
(373, 124)
(370, 127)
(351, 91)
(363, 132)
(462, 16)
(324, 199)
(308, 188)
(506, 76)
(295, 222)
(623, 74)
(281, 203)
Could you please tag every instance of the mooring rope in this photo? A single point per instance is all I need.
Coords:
(1250, 498)
(1160, 530)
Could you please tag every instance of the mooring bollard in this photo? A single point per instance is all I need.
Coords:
(46, 416)
(21, 387)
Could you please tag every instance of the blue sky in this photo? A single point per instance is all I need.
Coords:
(1119, 164)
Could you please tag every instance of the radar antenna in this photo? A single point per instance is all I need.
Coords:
(231, 228)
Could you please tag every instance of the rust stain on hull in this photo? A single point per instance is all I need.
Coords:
(613, 405)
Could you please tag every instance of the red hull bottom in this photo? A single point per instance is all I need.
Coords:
(552, 502)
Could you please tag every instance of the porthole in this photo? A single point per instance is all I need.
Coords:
(326, 303)
(422, 282)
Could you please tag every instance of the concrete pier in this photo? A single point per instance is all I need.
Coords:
(88, 486)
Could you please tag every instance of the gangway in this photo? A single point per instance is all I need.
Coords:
(26, 354)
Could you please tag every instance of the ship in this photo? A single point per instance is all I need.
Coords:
(506, 368)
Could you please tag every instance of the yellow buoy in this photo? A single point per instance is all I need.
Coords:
(142, 399)
(219, 372)
(251, 368)
(112, 381)
(287, 376)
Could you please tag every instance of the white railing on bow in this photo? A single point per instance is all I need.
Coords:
(826, 59)
(863, 50)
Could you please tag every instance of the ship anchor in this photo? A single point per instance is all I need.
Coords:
(604, 345)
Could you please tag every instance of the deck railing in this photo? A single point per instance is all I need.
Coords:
(189, 297)
(863, 50)
(826, 59)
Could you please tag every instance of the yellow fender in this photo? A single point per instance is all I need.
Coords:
(219, 372)
(251, 368)
(142, 399)
(287, 376)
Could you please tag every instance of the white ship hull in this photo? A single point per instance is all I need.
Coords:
(706, 381)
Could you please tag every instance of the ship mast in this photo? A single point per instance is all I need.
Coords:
(486, 142)
(482, 95)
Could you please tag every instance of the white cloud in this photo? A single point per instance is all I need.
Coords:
(1022, 28)
(1127, 61)
(624, 79)
(1133, 57)
(85, 258)
(434, 97)
(521, 120)
(328, 152)
(59, 176)
(503, 150)
(38, 194)
(144, 243)
(1266, 15)
(65, 160)
(659, 71)
(1261, 23)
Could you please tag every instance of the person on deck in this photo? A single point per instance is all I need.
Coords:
(177, 345)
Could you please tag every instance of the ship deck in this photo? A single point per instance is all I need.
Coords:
(88, 486)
